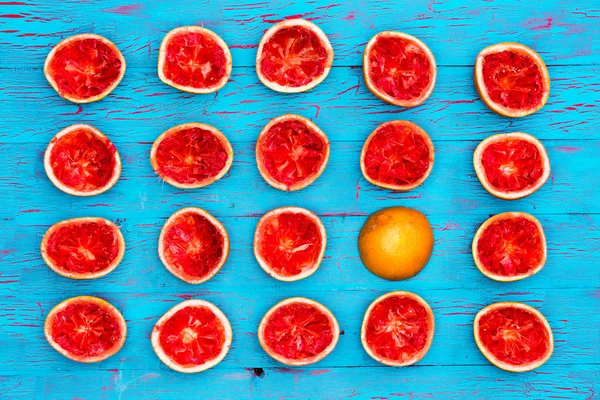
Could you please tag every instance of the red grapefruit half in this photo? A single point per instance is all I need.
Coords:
(289, 243)
(293, 56)
(192, 337)
(512, 165)
(399, 68)
(84, 68)
(81, 161)
(193, 245)
(298, 331)
(512, 79)
(191, 155)
(510, 246)
(397, 329)
(398, 155)
(83, 248)
(194, 59)
(291, 152)
(85, 329)
(513, 336)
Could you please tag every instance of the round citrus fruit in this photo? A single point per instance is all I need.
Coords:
(289, 243)
(510, 246)
(512, 79)
(191, 155)
(84, 68)
(398, 155)
(513, 336)
(193, 245)
(83, 248)
(397, 329)
(192, 337)
(81, 161)
(293, 56)
(85, 329)
(399, 68)
(291, 152)
(512, 165)
(395, 243)
(298, 331)
(194, 59)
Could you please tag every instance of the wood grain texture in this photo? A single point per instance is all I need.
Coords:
(567, 290)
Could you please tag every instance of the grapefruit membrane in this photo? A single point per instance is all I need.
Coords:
(399, 68)
(289, 243)
(83, 248)
(513, 336)
(85, 329)
(192, 155)
(397, 155)
(397, 329)
(512, 79)
(510, 246)
(291, 152)
(84, 68)
(293, 56)
(193, 245)
(298, 331)
(194, 59)
(192, 337)
(81, 161)
(512, 165)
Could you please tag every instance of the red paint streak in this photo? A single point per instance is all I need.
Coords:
(460, 101)
(79, 111)
(12, 16)
(130, 9)
(350, 16)
(351, 214)
(14, 3)
(185, 296)
(5, 282)
(568, 149)
(448, 226)
(350, 88)
(318, 110)
(114, 370)
(318, 372)
(357, 189)
(10, 31)
(5, 252)
(243, 46)
(328, 7)
(31, 211)
(546, 23)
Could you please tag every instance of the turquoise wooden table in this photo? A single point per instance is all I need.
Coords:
(567, 290)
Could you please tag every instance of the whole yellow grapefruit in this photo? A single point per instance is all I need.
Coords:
(395, 243)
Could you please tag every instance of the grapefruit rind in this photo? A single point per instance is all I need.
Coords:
(48, 168)
(480, 170)
(162, 54)
(155, 336)
(501, 364)
(417, 357)
(384, 96)
(103, 303)
(302, 184)
(265, 266)
(71, 275)
(298, 363)
(482, 90)
(217, 133)
(274, 29)
(219, 227)
(82, 37)
(399, 188)
(499, 217)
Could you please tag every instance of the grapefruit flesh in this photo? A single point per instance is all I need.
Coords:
(85, 329)
(512, 79)
(398, 155)
(399, 69)
(83, 248)
(191, 155)
(510, 246)
(291, 152)
(289, 243)
(81, 161)
(192, 337)
(193, 245)
(513, 336)
(84, 68)
(194, 59)
(293, 56)
(298, 332)
(398, 329)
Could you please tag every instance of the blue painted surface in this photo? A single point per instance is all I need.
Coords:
(567, 291)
